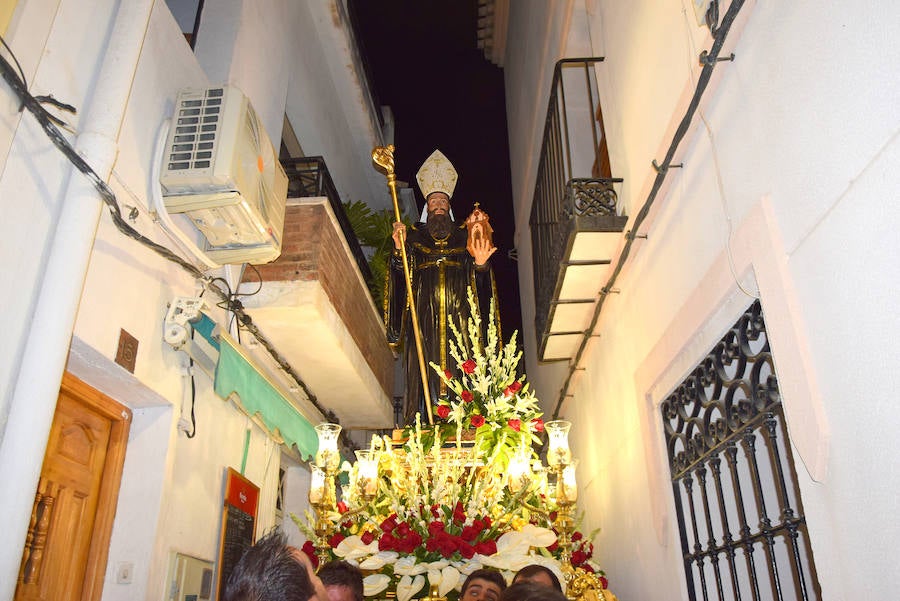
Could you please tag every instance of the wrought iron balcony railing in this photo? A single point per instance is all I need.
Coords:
(574, 195)
(309, 177)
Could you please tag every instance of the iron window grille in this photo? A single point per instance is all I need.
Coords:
(741, 521)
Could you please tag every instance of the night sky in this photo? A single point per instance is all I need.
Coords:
(425, 63)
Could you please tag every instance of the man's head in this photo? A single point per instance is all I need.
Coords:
(539, 575)
(343, 581)
(531, 591)
(483, 585)
(438, 219)
(271, 570)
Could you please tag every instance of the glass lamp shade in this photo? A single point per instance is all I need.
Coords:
(367, 472)
(558, 452)
(518, 472)
(327, 457)
(567, 487)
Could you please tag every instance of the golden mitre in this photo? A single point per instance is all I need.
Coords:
(436, 175)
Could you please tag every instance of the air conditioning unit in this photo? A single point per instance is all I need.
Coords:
(220, 169)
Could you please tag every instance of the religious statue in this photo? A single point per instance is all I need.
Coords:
(445, 258)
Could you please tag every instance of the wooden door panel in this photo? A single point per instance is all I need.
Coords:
(60, 556)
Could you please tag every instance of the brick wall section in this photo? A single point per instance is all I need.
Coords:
(313, 250)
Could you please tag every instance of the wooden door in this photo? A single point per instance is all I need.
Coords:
(66, 549)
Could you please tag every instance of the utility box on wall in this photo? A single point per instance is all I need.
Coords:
(189, 579)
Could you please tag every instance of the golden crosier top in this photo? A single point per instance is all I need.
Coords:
(384, 158)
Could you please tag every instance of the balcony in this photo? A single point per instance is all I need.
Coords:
(315, 307)
(575, 226)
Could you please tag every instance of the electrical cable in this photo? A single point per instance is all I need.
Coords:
(713, 13)
(719, 35)
(48, 123)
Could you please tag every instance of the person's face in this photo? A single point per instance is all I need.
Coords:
(339, 592)
(321, 594)
(539, 578)
(438, 203)
(481, 590)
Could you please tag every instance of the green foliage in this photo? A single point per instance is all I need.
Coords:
(373, 229)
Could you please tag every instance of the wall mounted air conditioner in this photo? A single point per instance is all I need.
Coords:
(220, 169)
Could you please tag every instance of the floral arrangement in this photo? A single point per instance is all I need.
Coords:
(442, 507)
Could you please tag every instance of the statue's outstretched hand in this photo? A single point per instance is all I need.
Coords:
(482, 250)
(399, 234)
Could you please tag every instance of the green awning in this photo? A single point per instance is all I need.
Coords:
(236, 374)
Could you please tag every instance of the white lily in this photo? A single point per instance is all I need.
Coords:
(407, 566)
(407, 587)
(375, 583)
(352, 547)
(450, 579)
(379, 560)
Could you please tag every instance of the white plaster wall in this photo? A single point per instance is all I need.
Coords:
(172, 487)
(802, 130)
(33, 169)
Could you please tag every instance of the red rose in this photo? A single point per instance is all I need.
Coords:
(390, 523)
(487, 547)
(587, 568)
(409, 543)
(459, 516)
(466, 550)
(604, 582)
(538, 424)
(335, 540)
(469, 366)
(310, 551)
(553, 547)
(443, 411)
(367, 537)
(447, 546)
(477, 421)
(387, 542)
(487, 522)
(515, 424)
(578, 558)
(342, 507)
(435, 528)
(447, 374)
(469, 533)
(478, 525)
(434, 512)
(347, 524)
(403, 530)
(577, 536)
(467, 396)
(515, 387)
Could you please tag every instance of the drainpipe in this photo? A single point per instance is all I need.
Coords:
(36, 386)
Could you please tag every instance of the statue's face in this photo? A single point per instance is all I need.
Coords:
(438, 203)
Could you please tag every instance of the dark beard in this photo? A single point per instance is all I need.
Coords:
(439, 225)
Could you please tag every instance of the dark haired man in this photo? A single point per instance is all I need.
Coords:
(272, 570)
(483, 585)
(539, 575)
(527, 590)
(343, 581)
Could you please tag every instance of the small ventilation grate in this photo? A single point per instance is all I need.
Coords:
(196, 127)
